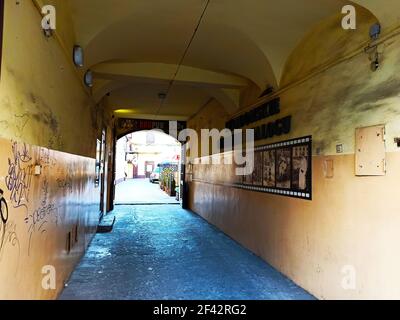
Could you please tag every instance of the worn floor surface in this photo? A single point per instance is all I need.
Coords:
(164, 252)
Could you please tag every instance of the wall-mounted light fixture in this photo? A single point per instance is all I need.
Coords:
(48, 33)
(88, 79)
(375, 31)
(374, 57)
(375, 61)
(78, 56)
(373, 50)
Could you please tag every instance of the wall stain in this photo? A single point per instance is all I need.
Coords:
(385, 90)
(369, 107)
(4, 124)
(11, 72)
(21, 122)
(33, 98)
(48, 119)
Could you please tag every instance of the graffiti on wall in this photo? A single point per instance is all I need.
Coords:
(8, 235)
(44, 195)
(4, 218)
(45, 158)
(19, 178)
(39, 219)
(65, 184)
(38, 212)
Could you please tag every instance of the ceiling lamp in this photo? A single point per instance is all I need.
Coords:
(162, 96)
(78, 56)
(88, 79)
(375, 31)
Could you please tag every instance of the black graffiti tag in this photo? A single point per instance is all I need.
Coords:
(19, 177)
(39, 219)
(65, 184)
(8, 234)
(4, 218)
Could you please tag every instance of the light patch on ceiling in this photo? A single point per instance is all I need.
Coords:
(124, 111)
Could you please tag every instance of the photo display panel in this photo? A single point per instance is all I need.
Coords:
(283, 168)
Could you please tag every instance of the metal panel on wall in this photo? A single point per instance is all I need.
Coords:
(371, 151)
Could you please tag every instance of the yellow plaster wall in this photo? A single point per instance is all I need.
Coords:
(212, 115)
(65, 28)
(45, 106)
(41, 97)
(351, 221)
(42, 210)
(326, 43)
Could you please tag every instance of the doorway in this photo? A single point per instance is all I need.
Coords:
(149, 165)
(100, 181)
(148, 169)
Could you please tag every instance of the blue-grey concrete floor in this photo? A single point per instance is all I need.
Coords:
(164, 252)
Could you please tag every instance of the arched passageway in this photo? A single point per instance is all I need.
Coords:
(317, 84)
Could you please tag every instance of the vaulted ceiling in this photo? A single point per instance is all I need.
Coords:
(136, 47)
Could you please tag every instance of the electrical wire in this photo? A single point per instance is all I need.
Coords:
(172, 81)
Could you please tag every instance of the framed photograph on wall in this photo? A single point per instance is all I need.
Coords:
(258, 169)
(248, 179)
(300, 169)
(269, 168)
(283, 168)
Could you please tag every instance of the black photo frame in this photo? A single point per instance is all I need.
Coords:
(286, 169)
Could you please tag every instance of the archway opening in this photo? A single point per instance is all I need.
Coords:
(147, 167)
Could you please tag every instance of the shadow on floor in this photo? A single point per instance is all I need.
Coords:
(164, 252)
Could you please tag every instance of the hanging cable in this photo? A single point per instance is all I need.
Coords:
(172, 81)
